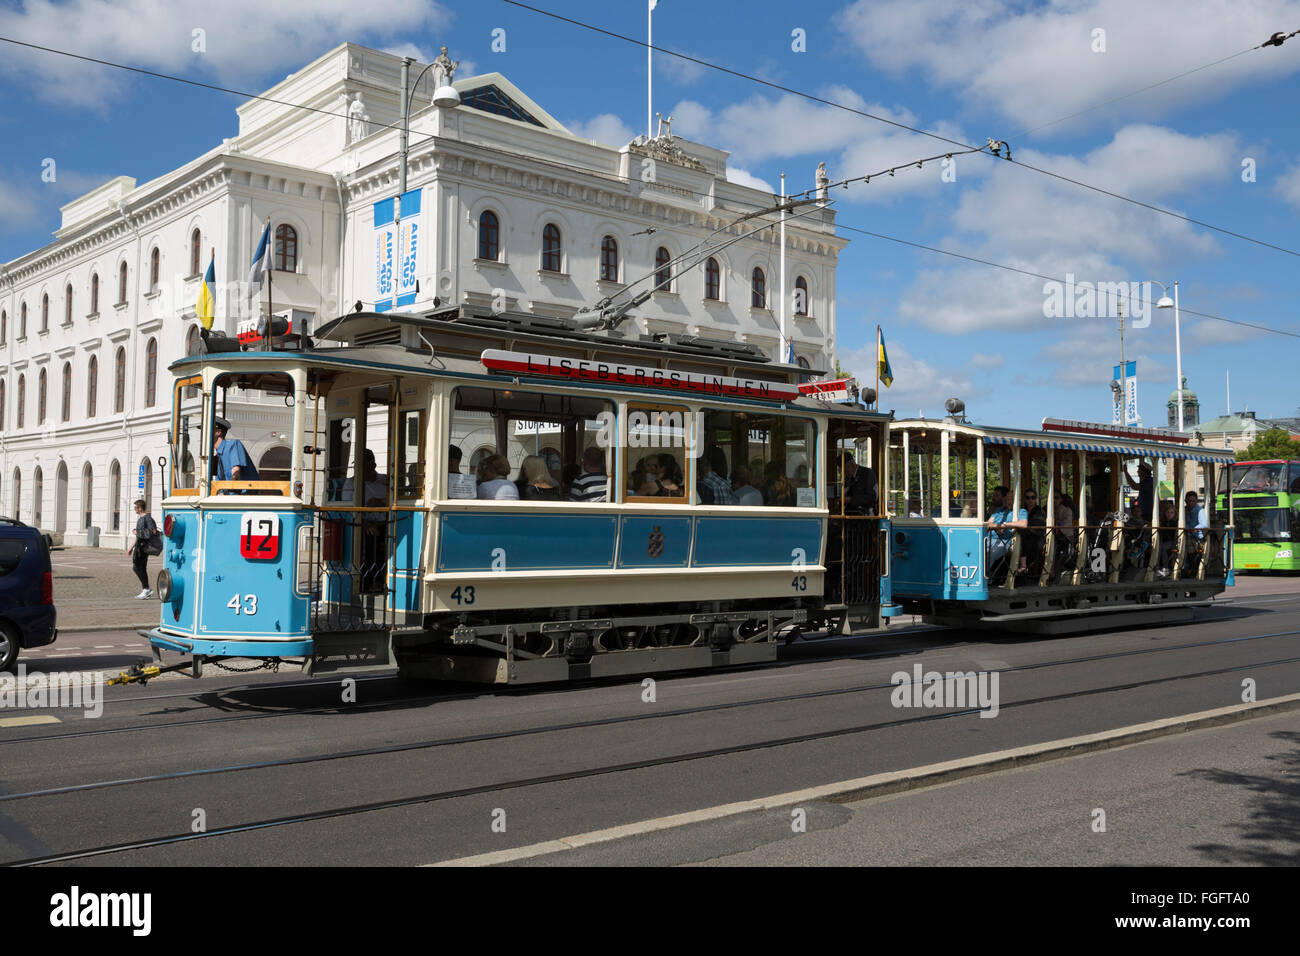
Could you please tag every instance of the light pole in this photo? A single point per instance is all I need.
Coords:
(1168, 303)
(444, 97)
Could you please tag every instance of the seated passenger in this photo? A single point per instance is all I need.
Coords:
(538, 483)
(746, 494)
(663, 477)
(593, 483)
(453, 459)
(1064, 510)
(777, 490)
(1168, 536)
(494, 479)
(713, 475)
(1002, 519)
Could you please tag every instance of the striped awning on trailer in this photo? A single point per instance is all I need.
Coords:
(1186, 453)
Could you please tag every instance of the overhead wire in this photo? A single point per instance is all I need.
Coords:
(922, 132)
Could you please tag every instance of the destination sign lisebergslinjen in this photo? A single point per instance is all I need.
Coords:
(622, 373)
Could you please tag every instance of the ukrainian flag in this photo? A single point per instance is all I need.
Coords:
(207, 294)
(882, 362)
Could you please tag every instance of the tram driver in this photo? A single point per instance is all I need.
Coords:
(230, 459)
(374, 543)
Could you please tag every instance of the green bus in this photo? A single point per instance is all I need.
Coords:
(1266, 496)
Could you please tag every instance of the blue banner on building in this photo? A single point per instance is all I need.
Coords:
(396, 248)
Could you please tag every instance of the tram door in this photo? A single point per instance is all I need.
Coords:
(853, 547)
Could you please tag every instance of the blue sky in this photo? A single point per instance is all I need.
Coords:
(967, 70)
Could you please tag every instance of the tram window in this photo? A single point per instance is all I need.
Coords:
(963, 477)
(410, 454)
(554, 428)
(259, 407)
(655, 453)
(338, 467)
(924, 480)
(187, 417)
(756, 459)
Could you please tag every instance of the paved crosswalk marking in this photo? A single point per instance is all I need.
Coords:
(29, 720)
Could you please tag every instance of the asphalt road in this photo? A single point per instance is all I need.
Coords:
(312, 773)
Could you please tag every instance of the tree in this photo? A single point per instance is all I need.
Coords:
(1274, 443)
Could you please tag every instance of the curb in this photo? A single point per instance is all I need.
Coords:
(896, 781)
(89, 628)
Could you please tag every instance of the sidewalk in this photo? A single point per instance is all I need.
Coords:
(94, 588)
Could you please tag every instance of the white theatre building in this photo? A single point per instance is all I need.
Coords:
(513, 210)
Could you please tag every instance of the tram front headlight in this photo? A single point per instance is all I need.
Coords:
(164, 585)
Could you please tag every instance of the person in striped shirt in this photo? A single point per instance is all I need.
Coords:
(593, 483)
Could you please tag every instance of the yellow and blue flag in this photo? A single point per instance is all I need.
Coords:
(882, 361)
(207, 294)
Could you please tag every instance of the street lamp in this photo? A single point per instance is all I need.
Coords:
(445, 97)
(1168, 303)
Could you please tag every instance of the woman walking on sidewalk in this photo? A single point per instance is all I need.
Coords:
(145, 530)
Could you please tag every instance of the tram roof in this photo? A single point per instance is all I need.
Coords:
(1077, 441)
(412, 361)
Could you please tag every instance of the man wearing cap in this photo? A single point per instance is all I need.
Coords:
(230, 459)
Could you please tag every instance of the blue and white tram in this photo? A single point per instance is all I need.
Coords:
(1032, 529)
(360, 546)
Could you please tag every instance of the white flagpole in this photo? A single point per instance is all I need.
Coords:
(785, 347)
(649, 70)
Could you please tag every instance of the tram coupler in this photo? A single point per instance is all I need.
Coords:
(141, 672)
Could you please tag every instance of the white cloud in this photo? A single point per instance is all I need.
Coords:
(243, 38)
(605, 128)
(980, 360)
(918, 385)
(743, 177)
(1052, 228)
(677, 71)
(1288, 185)
(1035, 62)
(28, 201)
(761, 128)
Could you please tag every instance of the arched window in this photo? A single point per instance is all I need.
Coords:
(2, 404)
(67, 304)
(489, 235)
(92, 385)
(87, 497)
(551, 258)
(712, 279)
(801, 296)
(663, 274)
(155, 267)
(41, 391)
(121, 285)
(802, 362)
(18, 492)
(94, 293)
(609, 259)
(150, 373)
(115, 496)
(65, 407)
(22, 321)
(196, 241)
(45, 313)
(759, 298)
(22, 399)
(286, 248)
(38, 492)
(119, 381)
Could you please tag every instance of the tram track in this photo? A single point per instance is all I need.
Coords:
(404, 701)
(586, 773)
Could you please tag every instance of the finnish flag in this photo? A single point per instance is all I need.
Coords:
(261, 266)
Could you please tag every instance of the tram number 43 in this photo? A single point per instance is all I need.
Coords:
(248, 605)
(259, 535)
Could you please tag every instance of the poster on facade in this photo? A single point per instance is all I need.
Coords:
(1124, 410)
(396, 248)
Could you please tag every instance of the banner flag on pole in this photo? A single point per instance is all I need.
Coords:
(261, 266)
(207, 294)
(882, 362)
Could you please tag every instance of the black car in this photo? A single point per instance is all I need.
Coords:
(27, 617)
